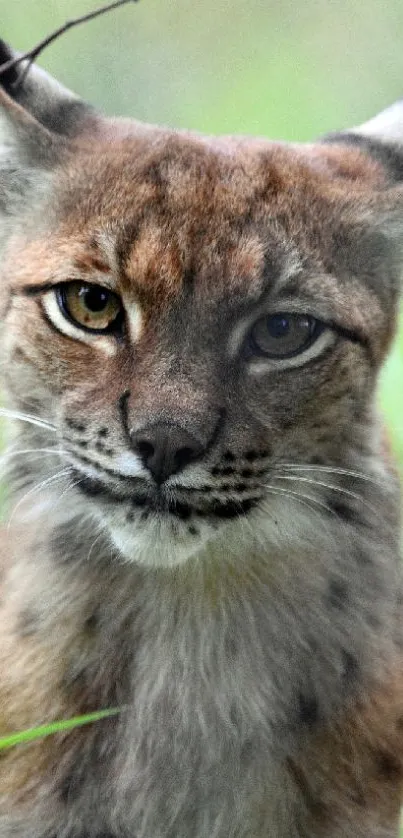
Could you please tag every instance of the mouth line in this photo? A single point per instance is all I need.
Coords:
(94, 487)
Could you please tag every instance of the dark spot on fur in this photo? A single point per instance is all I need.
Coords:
(91, 623)
(337, 593)
(182, 510)
(192, 530)
(74, 425)
(350, 667)
(227, 470)
(342, 510)
(229, 457)
(103, 432)
(287, 422)
(83, 443)
(232, 509)
(92, 487)
(240, 487)
(317, 461)
(138, 502)
(251, 456)
(27, 623)
(103, 449)
(247, 472)
(389, 765)
(308, 710)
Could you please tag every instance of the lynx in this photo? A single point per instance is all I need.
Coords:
(203, 515)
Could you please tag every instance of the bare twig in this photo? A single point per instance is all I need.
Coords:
(33, 53)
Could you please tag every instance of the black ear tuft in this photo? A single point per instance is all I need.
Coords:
(10, 77)
(46, 100)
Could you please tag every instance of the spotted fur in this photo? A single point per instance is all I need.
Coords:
(238, 599)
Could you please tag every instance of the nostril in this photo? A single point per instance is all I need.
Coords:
(183, 456)
(145, 449)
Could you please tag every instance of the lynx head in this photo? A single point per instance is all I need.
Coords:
(191, 321)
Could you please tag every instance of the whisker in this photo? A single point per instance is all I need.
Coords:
(330, 487)
(98, 537)
(27, 417)
(37, 488)
(328, 469)
(32, 452)
(298, 495)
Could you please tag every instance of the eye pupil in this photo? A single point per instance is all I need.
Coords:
(94, 299)
(278, 325)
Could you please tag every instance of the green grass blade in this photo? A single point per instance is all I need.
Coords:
(54, 727)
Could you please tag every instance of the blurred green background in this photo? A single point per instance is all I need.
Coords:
(282, 69)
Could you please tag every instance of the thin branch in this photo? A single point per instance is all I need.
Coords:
(33, 53)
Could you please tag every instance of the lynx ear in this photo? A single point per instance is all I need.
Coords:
(38, 120)
(386, 127)
(52, 105)
(381, 137)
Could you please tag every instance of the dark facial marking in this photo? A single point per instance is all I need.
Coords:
(103, 449)
(337, 593)
(181, 510)
(247, 472)
(229, 457)
(308, 709)
(74, 425)
(232, 509)
(342, 510)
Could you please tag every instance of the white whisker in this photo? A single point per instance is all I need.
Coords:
(328, 469)
(27, 417)
(38, 488)
(98, 537)
(299, 496)
(340, 489)
(31, 452)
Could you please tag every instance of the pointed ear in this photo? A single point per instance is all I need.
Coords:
(39, 119)
(381, 137)
(52, 105)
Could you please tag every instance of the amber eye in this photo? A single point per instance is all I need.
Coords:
(282, 335)
(91, 307)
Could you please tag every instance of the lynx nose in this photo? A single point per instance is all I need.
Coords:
(165, 449)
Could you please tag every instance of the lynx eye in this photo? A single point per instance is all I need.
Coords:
(283, 335)
(92, 307)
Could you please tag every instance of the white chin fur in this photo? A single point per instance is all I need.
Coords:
(159, 543)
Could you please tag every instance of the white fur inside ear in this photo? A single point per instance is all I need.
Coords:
(387, 126)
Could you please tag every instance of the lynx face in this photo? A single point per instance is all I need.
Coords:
(202, 319)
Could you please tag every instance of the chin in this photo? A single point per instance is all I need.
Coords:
(160, 542)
